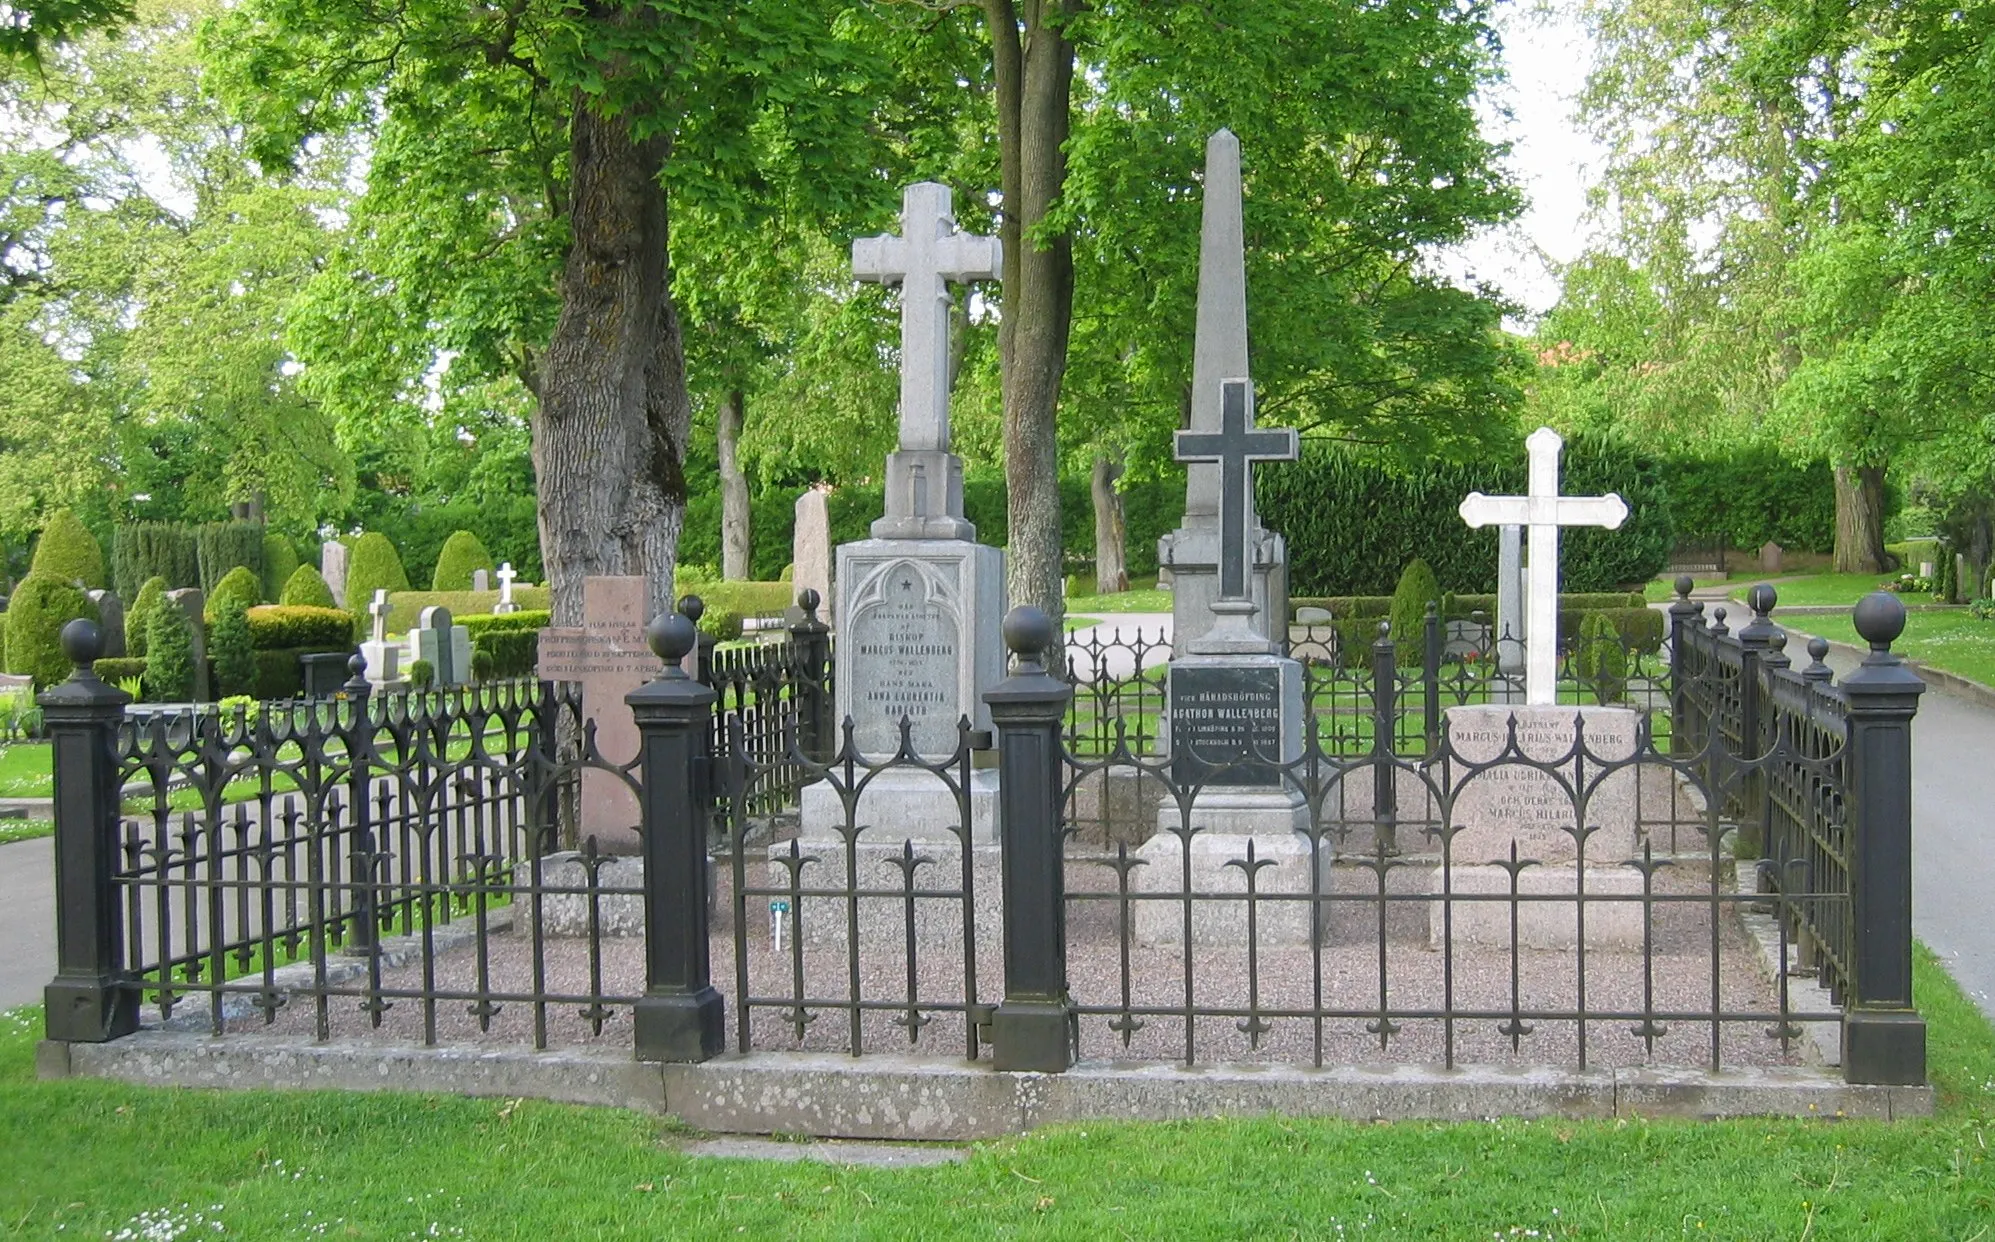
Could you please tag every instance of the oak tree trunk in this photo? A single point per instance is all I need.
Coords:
(1033, 62)
(1111, 565)
(736, 533)
(609, 442)
(1860, 521)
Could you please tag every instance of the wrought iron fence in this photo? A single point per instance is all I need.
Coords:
(1499, 890)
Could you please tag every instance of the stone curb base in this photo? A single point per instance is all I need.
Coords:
(913, 1098)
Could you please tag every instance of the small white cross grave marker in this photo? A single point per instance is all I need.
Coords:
(1543, 511)
(929, 252)
(506, 576)
(379, 611)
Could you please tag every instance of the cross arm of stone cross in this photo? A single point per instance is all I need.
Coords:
(1609, 511)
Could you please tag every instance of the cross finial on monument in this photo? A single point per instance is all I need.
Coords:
(1235, 447)
(1543, 511)
(930, 252)
(378, 609)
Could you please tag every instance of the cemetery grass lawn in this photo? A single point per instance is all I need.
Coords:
(1148, 599)
(1819, 590)
(88, 1159)
(1953, 641)
(12, 830)
(25, 770)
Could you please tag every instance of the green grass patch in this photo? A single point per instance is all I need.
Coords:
(26, 770)
(88, 1159)
(1148, 599)
(1952, 641)
(1821, 590)
(1072, 622)
(1657, 590)
(12, 830)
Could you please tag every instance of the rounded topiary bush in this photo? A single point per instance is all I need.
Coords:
(1600, 660)
(280, 561)
(139, 615)
(374, 566)
(307, 587)
(240, 587)
(1417, 588)
(230, 648)
(462, 556)
(68, 552)
(36, 613)
(169, 656)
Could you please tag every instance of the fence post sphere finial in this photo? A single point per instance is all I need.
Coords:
(83, 643)
(1880, 619)
(808, 599)
(693, 607)
(1684, 585)
(1761, 599)
(671, 635)
(1028, 631)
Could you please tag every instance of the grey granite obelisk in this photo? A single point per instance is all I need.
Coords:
(1219, 353)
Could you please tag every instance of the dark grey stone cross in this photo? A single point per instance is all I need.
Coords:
(1236, 446)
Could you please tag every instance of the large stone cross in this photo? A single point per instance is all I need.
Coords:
(1543, 511)
(929, 252)
(1235, 447)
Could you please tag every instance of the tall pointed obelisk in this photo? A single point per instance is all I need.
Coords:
(1219, 353)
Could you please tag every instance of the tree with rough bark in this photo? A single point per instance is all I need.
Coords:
(530, 164)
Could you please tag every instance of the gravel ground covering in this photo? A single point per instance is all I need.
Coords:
(1341, 980)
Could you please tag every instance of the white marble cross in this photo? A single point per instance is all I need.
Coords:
(1543, 511)
(928, 253)
(506, 575)
(379, 611)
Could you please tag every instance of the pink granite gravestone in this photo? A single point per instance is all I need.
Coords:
(607, 654)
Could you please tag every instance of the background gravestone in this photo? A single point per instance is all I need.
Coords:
(112, 611)
(333, 557)
(1771, 557)
(810, 551)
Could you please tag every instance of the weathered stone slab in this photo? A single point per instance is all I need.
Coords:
(810, 550)
(333, 557)
(608, 655)
(1534, 806)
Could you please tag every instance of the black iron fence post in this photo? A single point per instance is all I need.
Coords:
(816, 735)
(357, 736)
(1032, 1028)
(680, 1016)
(1430, 672)
(1755, 639)
(87, 1001)
(1884, 1038)
(1683, 618)
(1385, 725)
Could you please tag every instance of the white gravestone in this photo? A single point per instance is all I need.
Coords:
(1511, 803)
(383, 658)
(1510, 622)
(507, 574)
(1543, 511)
(920, 603)
(1189, 555)
(332, 567)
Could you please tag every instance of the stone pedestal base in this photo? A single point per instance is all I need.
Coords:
(1549, 923)
(1227, 822)
(903, 804)
(879, 866)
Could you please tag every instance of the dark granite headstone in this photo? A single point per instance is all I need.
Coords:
(1222, 715)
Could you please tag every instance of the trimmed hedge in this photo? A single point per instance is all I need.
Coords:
(223, 546)
(145, 550)
(274, 627)
(1753, 495)
(1351, 522)
(139, 614)
(1641, 629)
(68, 552)
(280, 561)
(307, 588)
(113, 669)
(1458, 607)
(374, 567)
(462, 555)
(238, 586)
(229, 648)
(1417, 588)
(743, 599)
(477, 623)
(36, 613)
(405, 608)
(169, 657)
(513, 653)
